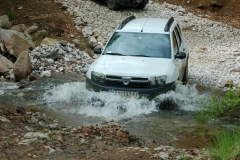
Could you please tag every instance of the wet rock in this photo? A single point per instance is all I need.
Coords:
(4, 22)
(32, 78)
(21, 110)
(46, 74)
(32, 108)
(3, 119)
(22, 67)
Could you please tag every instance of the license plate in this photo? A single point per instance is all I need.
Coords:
(127, 94)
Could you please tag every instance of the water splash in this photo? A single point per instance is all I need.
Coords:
(8, 86)
(186, 97)
(1, 92)
(74, 98)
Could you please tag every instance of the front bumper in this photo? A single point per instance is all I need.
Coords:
(150, 93)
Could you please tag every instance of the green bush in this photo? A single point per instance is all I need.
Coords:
(226, 147)
(11, 15)
(216, 106)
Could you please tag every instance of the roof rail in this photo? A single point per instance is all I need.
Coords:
(124, 22)
(168, 25)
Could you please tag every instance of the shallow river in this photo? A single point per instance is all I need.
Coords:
(65, 98)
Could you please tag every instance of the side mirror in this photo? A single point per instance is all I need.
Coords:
(97, 50)
(180, 55)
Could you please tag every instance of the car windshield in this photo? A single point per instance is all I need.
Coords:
(139, 44)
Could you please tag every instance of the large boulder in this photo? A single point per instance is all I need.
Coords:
(5, 64)
(22, 67)
(4, 22)
(16, 42)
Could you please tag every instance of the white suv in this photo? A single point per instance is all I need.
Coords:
(143, 57)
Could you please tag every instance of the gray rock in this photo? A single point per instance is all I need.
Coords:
(87, 31)
(93, 42)
(20, 42)
(4, 22)
(3, 119)
(46, 74)
(40, 135)
(5, 65)
(27, 141)
(22, 67)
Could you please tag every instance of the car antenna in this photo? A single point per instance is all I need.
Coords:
(144, 25)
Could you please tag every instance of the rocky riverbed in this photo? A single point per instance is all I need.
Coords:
(27, 134)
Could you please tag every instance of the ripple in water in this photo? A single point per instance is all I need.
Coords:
(74, 98)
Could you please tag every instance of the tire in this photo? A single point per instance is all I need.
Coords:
(185, 76)
(142, 5)
(112, 4)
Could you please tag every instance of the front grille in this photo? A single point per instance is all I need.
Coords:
(136, 82)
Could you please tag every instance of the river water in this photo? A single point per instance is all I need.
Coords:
(64, 97)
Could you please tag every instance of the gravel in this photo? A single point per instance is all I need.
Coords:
(214, 47)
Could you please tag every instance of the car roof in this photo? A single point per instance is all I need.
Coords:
(147, 25)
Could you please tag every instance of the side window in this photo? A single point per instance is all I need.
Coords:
(178, 36)
(178, 28)
(175, 45)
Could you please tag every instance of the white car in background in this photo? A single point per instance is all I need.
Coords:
(143, 57)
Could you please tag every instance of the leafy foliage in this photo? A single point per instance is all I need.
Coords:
(215, 106)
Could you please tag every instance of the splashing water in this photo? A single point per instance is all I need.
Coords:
(185, 96)
(1, 92)
(74, 98)
(7, 86)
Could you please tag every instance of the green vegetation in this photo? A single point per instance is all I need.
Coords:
(227, 146)
(9, 142)
(215, 106)
(11, 15)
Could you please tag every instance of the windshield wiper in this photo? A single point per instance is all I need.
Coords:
(140, 55)
(119, 54)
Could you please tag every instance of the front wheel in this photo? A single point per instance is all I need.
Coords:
(143, 4)
(185, 76)
(112, 4)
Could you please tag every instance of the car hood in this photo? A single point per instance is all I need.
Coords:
(132, 66)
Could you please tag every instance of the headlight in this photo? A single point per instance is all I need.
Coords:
(158, 81)
(98, 78)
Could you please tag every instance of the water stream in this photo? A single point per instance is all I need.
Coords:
(170, 122)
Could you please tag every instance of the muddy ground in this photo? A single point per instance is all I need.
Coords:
(83, 142)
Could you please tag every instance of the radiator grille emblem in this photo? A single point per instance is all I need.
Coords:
(126, 80)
